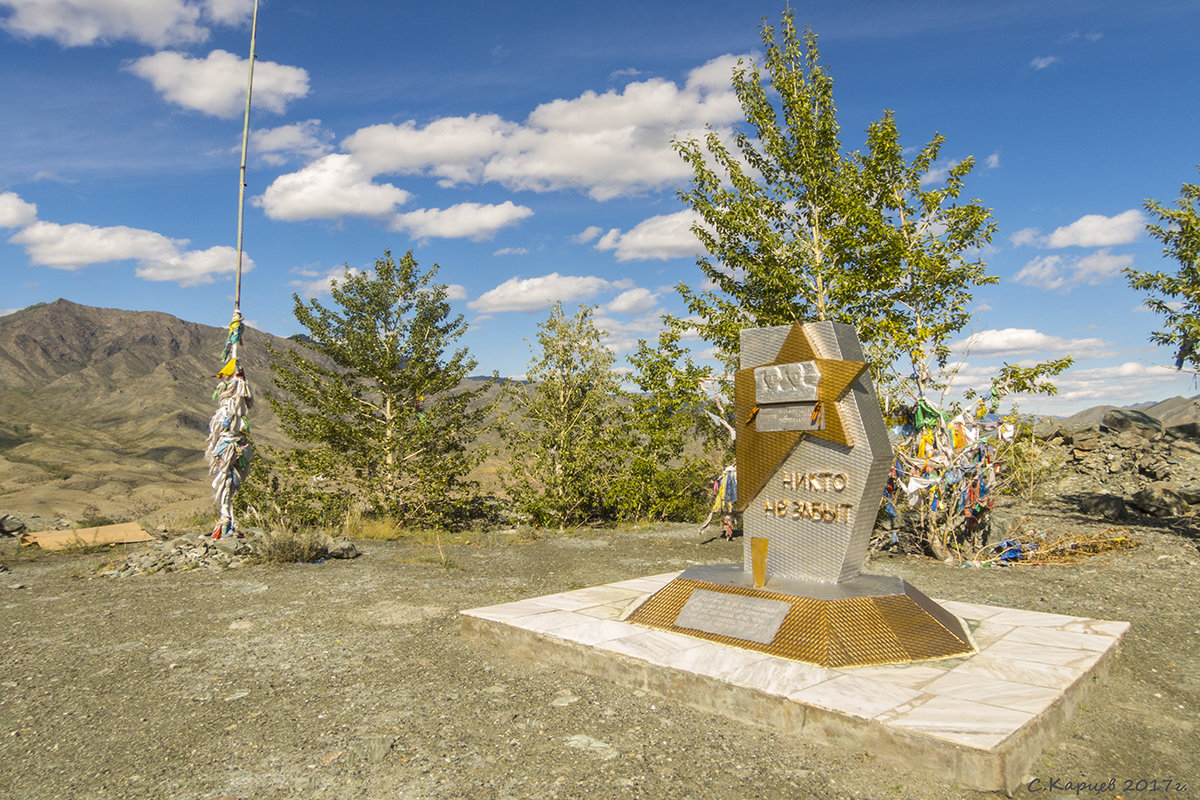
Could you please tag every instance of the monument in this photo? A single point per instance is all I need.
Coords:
(813, 457)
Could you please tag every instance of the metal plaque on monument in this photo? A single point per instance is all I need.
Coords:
(813, 458)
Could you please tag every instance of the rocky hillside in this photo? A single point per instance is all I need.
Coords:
(1128, 461)
(106, 411)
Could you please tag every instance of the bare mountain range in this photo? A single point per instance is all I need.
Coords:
(106, 412)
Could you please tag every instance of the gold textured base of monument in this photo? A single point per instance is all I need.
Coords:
(895, 625)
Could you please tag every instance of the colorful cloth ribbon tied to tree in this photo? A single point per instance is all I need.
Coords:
(947, 462)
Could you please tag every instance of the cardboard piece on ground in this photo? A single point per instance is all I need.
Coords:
(126, 532)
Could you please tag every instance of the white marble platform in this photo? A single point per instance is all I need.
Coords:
(979, 721)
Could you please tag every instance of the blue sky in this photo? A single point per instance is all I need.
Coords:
(525, 147)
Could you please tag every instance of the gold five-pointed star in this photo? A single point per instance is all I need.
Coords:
(760, 454)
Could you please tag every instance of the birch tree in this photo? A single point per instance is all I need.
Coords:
(796, 228)
(1176, 296)
(566, 431)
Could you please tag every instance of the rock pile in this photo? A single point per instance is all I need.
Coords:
(14, 523)
(1129, 460)
(200, 550)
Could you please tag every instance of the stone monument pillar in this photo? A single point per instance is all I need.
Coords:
(813, 458)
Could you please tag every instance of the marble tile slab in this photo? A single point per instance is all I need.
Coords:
(963, 722)
(779, 676)
(978, 721)
(986, 667)
(995, 692)
(911, 676)
(652, 646)
(1042, 654)
(1060, 638)
(592, 596)
(712, 660)
(855, 695)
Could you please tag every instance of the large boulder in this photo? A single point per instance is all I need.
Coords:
(1127, 419)
(1160, 499)
(1047, 428)
(1107, 506)
(1188, 430)
(1087, 438)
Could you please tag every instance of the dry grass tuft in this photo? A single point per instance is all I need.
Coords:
(292, 547)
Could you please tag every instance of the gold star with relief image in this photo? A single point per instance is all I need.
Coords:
(760, 454)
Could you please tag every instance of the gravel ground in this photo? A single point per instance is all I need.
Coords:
(350, 679)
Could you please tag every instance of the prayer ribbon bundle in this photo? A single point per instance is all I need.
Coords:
(228, 451)
(949, 461)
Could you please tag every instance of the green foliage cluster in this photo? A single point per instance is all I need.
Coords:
(1176, 297)
(798, 230)
(374, 394)
(583, 449)
(566, 429)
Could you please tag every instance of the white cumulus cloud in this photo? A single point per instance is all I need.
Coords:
(475, 221)
(588, 234)
(456, 149)
(633, 301)
(15, 212)
(229, 12)
(76, 245)
(194, 267)
(610, 144)
(1010, 342)
(277, 146)
(1041, 62)
(77, 23)
(314, 283)
(1063, 272)
(331, 187)
(216, 84)
(1097, 230)
(1026, 237)
(534, 294)
(660, 237)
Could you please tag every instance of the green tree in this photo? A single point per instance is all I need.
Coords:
(925, 247)
(566, 430)
(796, 229)
(671, 443)
(1176, 296)
(375, 392)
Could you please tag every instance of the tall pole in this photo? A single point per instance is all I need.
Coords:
(228, 451)
(237, 291)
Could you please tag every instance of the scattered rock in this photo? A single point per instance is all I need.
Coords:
(1188, 430)
(342, 548)
(10, 526)
(564, 698)
(375, 748)
(14, 523)
(1086, 439)
(1048, 428)
(1107, 506)
(602, 750)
